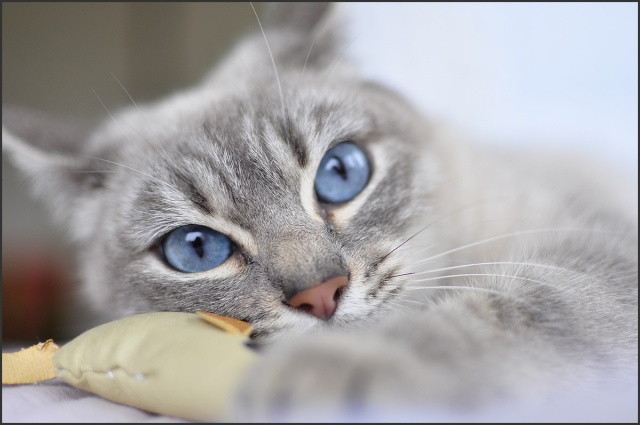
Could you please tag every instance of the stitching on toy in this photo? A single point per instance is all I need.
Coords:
(138, 376)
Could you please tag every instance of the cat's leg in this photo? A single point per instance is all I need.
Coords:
(453, 356)
(534, 331)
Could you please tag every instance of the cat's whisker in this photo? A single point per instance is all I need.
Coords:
(476, 289)
(402, 274)
(425, 299)
(456, 230)
(133, 129)
(396, 307)
(469, 288)
(562, 289)
(273, 62)
(516, 263)
(124, 89)
(166, 184)
(304, 68)
(482, 274)
(393, 305)
(420, 303)
(456, 287)
(519, 233)
(339, 57)
(316, 32)
(412, 301)
(386, 295)
(445, 215)
(419, 251)
(411, 285)
(166, 155)
(93, 171)
(405, 274)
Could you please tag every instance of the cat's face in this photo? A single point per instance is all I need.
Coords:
(239, 194)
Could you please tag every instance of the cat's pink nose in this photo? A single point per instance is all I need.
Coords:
(320, 301)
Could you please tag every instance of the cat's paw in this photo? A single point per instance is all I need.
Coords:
(329, 377)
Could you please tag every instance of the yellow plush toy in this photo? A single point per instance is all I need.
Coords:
(178, 364)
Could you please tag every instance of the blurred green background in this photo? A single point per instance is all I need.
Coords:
(53, 56)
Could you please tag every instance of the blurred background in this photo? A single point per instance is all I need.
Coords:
(558, 76)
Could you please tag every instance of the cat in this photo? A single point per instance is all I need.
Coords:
(382, 260)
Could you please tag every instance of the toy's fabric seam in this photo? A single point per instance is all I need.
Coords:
(139, 376)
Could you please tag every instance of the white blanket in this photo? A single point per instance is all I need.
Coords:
(55, 401)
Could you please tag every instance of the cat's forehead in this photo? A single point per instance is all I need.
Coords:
(242, 119)
(240, 157)
(310, 117)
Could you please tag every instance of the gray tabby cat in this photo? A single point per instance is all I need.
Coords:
(388, 262)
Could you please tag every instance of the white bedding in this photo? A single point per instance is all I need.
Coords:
(55, 401)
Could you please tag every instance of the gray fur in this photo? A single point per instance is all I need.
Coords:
(556, 302)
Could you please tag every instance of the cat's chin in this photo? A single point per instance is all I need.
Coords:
(265, 336)
(292, 330)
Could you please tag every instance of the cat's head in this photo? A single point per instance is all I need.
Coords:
(272, 198)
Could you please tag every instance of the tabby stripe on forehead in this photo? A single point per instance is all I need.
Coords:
(292, 138)
(194, 194)
(230, 192)
(198, 198)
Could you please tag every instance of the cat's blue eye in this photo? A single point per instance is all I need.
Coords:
(194, 248)
(343, 173)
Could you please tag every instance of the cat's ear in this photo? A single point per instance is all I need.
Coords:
(46, 151)
(300, 16)
(296, 36)
(312, 32)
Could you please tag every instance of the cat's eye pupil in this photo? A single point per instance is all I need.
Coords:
(336, 165)
(196, 243)
(194, 248)
(342, 174)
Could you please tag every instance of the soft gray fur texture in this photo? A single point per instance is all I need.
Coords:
(474, 275)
